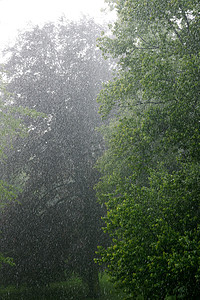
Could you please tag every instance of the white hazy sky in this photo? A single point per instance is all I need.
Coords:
(16, 14)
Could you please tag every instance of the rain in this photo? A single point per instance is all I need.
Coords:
(51, 221)
(99, 150)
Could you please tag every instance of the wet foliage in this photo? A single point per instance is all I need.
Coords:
(150, 170)
(55, 226)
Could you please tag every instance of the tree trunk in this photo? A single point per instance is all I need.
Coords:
(92, 280)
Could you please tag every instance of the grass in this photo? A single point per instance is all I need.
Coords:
(108, 292)
(72, 289)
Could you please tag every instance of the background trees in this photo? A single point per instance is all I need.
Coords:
(11, 126)
(150, 170)
(57, 70)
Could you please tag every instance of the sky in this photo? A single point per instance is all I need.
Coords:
(19, 14)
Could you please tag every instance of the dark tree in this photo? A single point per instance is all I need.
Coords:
(56, 70)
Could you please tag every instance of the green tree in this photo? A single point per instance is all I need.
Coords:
(56, 69)
(11, 127)
(150, 170)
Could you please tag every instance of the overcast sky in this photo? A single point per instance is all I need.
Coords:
(16, 14)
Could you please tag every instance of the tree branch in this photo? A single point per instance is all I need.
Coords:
(175, 31)
(186, 19)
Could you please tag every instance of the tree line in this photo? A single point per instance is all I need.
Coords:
(146, 152)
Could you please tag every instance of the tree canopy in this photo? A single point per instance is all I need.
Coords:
(150, 170)
(58, 70)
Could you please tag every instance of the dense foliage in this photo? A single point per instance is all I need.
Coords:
(150, 170)
(11, 126)
(54, 230)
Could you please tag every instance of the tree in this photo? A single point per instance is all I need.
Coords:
(150, 170)
(11, 126)
(57, 70)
